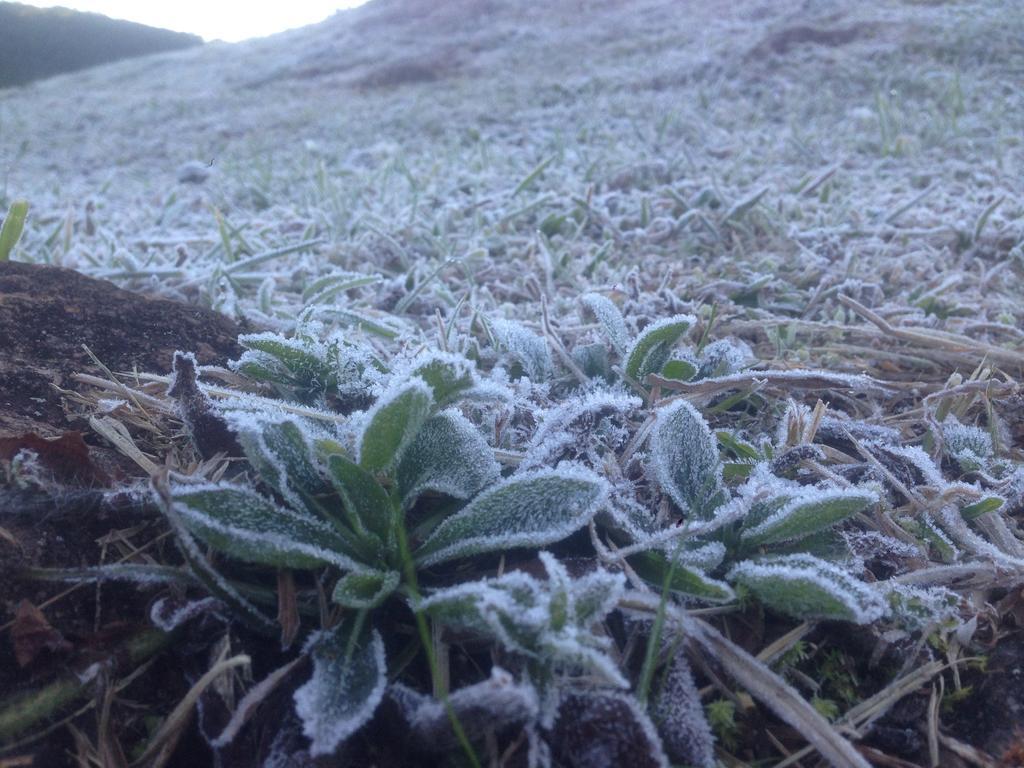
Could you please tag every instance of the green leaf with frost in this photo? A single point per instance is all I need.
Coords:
(680, 370)
(741, 448)
(14, 223)
(282, 454)
(684, 455)
(653, 346)
(653, 567)
(983, 507)
(526, 347)
(532, 509)
(449, 456)
(367, 507)
(610, 318)
(363, 590)
(723, 358)
(240, 522)
(812, 511)
(808, 588)
(393, 423)
(548, 620)
(327, 287)
(274, 358)
(592, 359)
(347, 685)
(447, 375)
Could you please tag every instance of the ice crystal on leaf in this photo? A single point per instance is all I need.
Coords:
(393, 422)
(724, 357)
(970, 446)
(912, 460)
(610, 318)
(242, 523)
(605, 728)
(679, 715)
(682, 365)
(807, 587)
(659, 567)
(168, 614)
(684, 455)
(448, 375)
(348, 682)
(624, 513)
(1006, 549)
(836, 430)
(653, 346)
(548, 621)
(322, 289)
(368, 512)
(449, 456)
(530, 509)
(812, 510)
(567, 426)
(280, 448)
(915, 608)
(526, 348)
(865, 545)
(363, 590)
(306, 369)
(487, 706)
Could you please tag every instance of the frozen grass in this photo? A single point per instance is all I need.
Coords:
(671, 138)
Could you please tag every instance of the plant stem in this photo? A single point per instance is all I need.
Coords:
(654, 641)
(409, 567)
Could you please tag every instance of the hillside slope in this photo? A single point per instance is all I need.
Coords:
(40, 42)
(463, 99)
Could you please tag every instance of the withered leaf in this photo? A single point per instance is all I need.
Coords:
(31, 634)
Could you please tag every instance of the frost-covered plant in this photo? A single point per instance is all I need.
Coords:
(969, 446)
(768, 514)
(336, 372)
(527, 349)
(549, 622)
(322, 506)
(405, 483)
(656, 349)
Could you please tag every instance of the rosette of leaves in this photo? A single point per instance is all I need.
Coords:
(546, 621)
(337, 373)
(656, 349)
(318, 507)
(776, 540)
(969, 446)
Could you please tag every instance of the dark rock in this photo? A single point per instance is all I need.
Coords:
(193, 172)
(48, 313)
(782, 41)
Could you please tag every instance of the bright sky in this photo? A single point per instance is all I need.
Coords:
(230, 20)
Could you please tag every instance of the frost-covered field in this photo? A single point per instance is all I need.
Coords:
(743, 276)
(656, 124)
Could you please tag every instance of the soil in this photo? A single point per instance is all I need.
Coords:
(50, 314)
(992, 718)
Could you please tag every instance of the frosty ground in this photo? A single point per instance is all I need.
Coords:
(823, 186)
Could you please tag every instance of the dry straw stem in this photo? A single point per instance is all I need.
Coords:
(166, 739)
(872, 708)
(941, 340)
(784, 381)
(252, 700)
